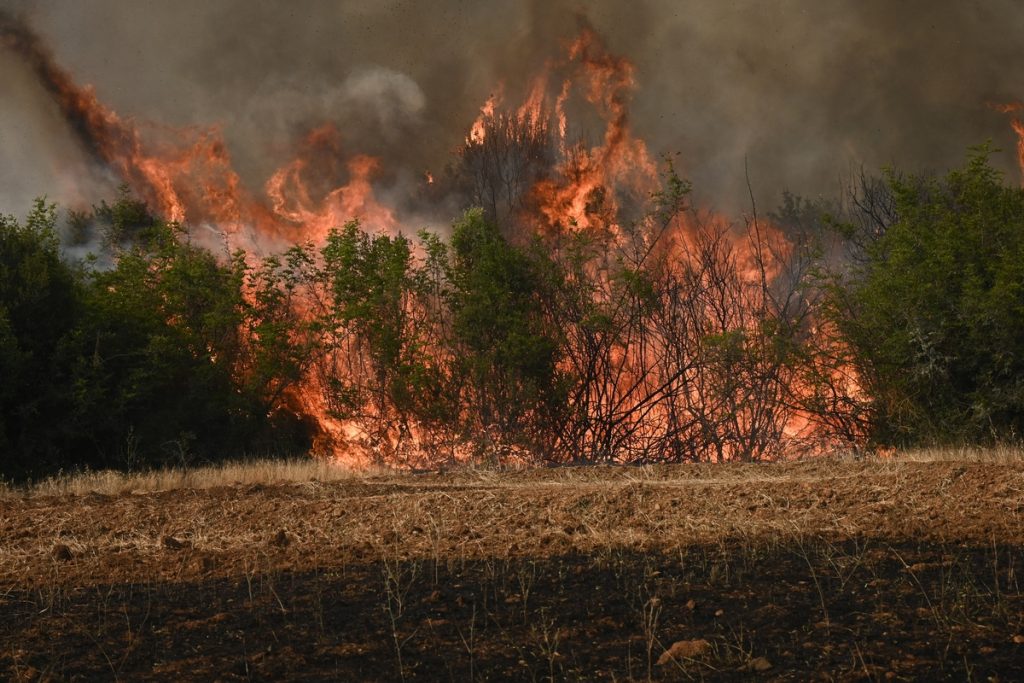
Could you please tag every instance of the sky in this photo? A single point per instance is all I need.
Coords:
(801, 94)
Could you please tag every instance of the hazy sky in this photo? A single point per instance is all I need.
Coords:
(805, 91)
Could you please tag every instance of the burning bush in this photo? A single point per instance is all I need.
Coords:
(675, 337)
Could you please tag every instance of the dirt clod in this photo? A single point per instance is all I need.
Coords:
(172, 543)
(685, 649)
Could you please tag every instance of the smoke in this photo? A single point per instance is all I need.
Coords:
(800, 93)
(43, 152)
(804, 90)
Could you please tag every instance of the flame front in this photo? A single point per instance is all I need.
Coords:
(187, 175)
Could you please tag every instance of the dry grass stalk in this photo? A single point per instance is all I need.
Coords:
(240, 473)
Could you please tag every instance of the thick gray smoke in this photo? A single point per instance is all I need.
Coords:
(803, 91)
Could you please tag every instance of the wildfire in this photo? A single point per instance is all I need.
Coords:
(188, 176)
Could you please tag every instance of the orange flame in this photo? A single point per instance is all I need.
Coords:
(478, 131)
(583, 194)
(291, 200)
(1016, 108)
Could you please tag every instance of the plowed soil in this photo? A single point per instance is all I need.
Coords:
(818, 570)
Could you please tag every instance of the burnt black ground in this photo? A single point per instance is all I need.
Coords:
(855, 610)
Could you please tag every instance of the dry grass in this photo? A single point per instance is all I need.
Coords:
(995, 454)
(271, 472)
(240, 473)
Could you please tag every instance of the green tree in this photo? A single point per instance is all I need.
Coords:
(172, 365)
(370, 341)
(504, 350)
(936, 312)
(170, 355)
(39, 308)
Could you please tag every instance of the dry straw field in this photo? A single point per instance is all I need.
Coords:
(904, 568)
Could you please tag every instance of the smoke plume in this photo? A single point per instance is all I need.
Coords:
(800, 93)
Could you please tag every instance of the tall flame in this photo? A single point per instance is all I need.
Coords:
(582, 193)
(187, 174)
(478, 131)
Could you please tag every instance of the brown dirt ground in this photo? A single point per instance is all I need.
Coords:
(819, 570)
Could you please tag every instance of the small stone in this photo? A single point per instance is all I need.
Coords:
(691, 604)
(684, 649)
(719, 612)
(1018, 639)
